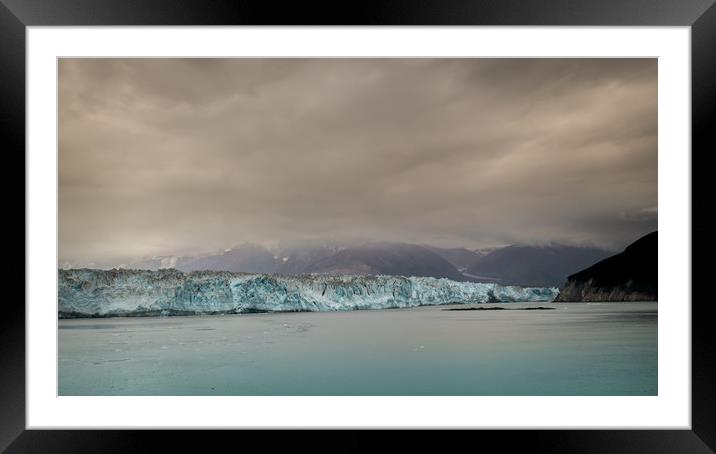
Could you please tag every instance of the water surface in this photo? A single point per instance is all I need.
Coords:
(577, 349)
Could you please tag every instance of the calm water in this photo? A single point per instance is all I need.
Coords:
(577, 349)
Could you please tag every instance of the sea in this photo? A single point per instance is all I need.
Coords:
(574, 349)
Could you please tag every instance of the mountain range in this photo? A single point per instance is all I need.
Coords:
(541, 266)
(547, 266)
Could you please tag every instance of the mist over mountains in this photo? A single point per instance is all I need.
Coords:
(387, 258)
(548, 265)
(247, 257)
(535, 266)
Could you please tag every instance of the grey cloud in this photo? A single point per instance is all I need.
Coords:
(165, 155)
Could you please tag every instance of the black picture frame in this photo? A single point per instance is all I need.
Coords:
(16, 15)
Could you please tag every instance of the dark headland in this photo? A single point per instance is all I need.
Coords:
(628, 276)
(540, 308)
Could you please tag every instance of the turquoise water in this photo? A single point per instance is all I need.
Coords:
(576, 349)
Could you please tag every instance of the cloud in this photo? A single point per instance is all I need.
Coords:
(179, 155)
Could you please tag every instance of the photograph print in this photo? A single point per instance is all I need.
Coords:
(357, 226)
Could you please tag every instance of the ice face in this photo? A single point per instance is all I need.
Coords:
(87, 292)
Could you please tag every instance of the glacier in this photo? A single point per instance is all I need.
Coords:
(127, 292)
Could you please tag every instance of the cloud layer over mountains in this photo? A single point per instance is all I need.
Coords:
(180, 156)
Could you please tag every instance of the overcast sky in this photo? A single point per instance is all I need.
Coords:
(173, 156)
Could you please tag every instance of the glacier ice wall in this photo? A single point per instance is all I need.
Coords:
(86, 293)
